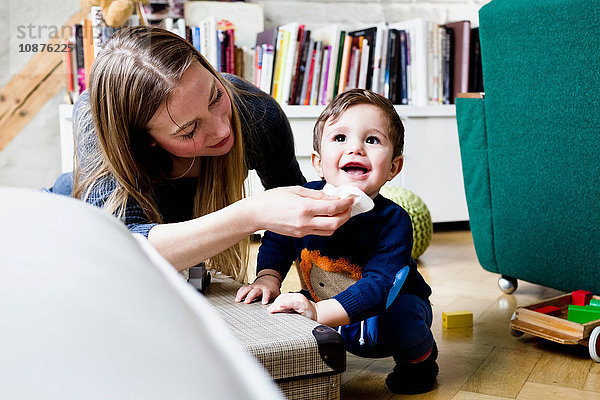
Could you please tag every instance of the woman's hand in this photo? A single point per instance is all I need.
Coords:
(266, 286)
(297, 211)
(294, 302)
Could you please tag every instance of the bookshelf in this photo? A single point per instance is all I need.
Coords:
(432, 166)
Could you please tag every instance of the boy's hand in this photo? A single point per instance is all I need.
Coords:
(294, 302)
(266, 286)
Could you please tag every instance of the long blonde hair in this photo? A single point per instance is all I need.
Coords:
(135, 72)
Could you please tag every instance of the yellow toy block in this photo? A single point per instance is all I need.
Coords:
(457, 319)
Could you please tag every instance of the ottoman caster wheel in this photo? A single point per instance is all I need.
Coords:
(507, 284)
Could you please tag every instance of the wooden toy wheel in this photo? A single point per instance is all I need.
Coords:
(514, 332)
(593, 344)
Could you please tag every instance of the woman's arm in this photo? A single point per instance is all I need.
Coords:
(291, 211)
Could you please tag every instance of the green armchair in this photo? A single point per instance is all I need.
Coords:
(530, 147)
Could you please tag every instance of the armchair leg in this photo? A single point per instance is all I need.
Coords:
(507, 284)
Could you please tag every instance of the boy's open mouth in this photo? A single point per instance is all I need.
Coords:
(354, 168)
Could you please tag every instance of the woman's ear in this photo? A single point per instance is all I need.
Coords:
(397, 164)
(315, 158)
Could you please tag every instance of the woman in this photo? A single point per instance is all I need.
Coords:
(170, 151)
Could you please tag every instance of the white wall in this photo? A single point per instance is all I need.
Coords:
(32, 159)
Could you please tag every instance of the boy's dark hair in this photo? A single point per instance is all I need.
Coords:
(352, 97)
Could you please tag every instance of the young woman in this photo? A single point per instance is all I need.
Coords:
(164, 142)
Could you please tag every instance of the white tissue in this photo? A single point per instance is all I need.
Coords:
(362, 202)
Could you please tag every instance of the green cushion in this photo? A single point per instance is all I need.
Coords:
(419, 215)
(541, 68)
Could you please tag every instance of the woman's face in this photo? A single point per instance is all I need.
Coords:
(196, 119)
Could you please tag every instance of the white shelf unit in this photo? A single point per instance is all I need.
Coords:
(432, 165)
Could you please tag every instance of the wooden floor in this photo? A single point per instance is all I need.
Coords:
(483, 362)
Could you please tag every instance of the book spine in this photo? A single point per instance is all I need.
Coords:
(402, 75)
(266, 79)
(306, 97)
(88, 49)
(69, 66)
(258, 65)
(96, 19)
(79, 57)
(364, 65)
(314, 92)
(296, 64)
(311, 46)
(324, 76)
(345, 65)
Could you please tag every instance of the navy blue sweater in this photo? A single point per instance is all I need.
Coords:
(378, 241)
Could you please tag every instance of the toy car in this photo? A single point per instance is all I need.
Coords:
(555, 326)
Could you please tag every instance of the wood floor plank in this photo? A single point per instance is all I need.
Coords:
(503, 373)
(566, 369)
(354, 366)
(539, 391)
(476, 396)
(369, 383)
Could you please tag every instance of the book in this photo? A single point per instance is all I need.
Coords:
(370, 35)
(288, 61)
(475, 68)
(302, 34)
(309, 78)
(267, 68)
(402, 78)
(209, 44)
(447, 66)
(278, 62)
(390, 86)
(97, 22)
(378, 53)
(79, 57)
(364, 71)
(88, 49)
(330, 36)
(267, 37)
(196, 39)
(307, 71)
(302, 66)
(322, 99)
(417, 42)
(460, 52)
(345, 63)
(314, 90)
(69, 67)
(383, 61)
(338, 65)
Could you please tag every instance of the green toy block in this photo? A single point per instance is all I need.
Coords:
(583, 314)
(595, 302)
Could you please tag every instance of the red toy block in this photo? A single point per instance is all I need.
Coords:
(550, 310)
(581, 298)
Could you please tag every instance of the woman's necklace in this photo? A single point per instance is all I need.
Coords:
(188, 170)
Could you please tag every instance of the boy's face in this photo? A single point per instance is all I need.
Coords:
(356, 150)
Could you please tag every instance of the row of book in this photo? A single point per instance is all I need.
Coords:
(86, 41)
(215, 40)
(413, 62)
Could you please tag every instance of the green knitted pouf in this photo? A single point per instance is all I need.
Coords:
(419, 215)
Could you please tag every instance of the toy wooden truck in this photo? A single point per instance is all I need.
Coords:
(548, 320)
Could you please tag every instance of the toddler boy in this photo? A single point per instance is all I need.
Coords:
(356, 279)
